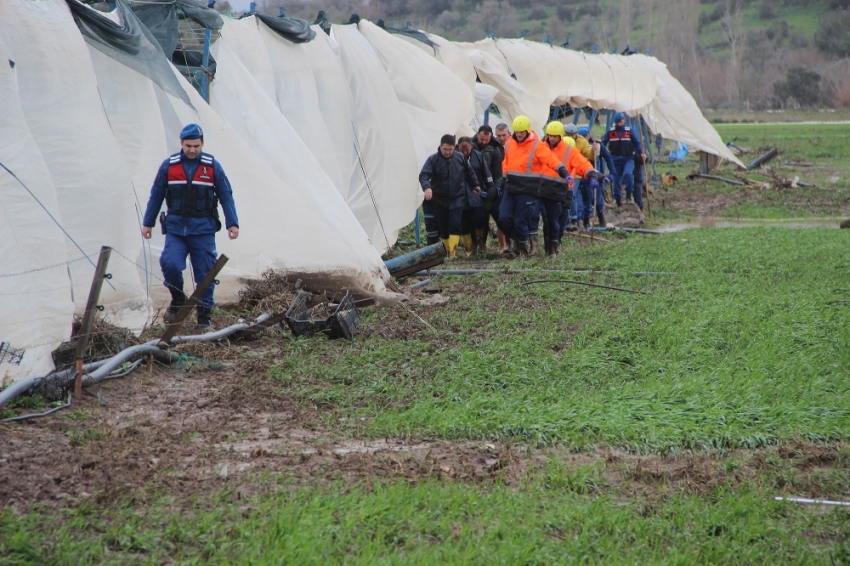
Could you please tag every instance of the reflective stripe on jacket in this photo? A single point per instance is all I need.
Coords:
(525, 164)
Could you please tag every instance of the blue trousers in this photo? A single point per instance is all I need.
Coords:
(201, 251)
(640, 170)
(519, 216)
(578, 202)
(552, 212)
(625, 176)
(590, 195)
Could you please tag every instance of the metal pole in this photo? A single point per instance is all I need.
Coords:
(88, 317)
(487, 116)
(416, 229)
(171, 330)
(205, 61)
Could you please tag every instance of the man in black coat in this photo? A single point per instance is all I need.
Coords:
(476, 218)
(444, 179)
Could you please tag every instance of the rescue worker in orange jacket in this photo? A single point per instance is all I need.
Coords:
(526, 161)
(556, 193)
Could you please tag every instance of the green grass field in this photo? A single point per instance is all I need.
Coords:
(631, 428)
(742, 345)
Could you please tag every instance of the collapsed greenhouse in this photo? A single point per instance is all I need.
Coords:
(322, 134)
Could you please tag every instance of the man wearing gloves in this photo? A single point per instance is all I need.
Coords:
(563, 148)
(526, 161)
(192, 183)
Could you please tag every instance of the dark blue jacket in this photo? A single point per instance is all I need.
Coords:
(447, 179)
(606, 157)
(638, 150)
(185, 225)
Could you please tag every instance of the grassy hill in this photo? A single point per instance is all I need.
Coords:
(771, 37)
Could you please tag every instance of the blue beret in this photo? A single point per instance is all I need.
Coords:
(619, 116)
(191, 132)
(583, 131)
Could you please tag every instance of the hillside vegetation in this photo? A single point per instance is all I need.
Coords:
(749, 54)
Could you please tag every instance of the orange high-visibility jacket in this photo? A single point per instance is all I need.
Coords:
(553, 186)
(525, 163)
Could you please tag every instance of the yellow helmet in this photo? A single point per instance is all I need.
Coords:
(569, 141)
(521, 124)
(555, 129)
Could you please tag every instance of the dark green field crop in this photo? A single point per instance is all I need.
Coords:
(745, 345)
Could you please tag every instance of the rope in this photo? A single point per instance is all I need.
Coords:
(369, 184)
(51, 217)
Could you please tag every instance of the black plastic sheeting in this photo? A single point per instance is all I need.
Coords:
(409, 32)
(130, 43)
(190, 61)
(126, 37)
(295, 30)
(161, 18)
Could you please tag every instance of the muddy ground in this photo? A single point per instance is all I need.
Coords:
(200, 426)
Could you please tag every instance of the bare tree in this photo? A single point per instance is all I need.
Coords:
(733, 32)
(624, 27)
(676, 42)
(647, 38)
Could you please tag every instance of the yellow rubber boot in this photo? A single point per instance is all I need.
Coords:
(451, 245)
(467, 244)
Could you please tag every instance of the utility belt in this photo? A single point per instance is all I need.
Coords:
(163, 217)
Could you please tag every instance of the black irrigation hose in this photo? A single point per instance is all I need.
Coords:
(583, 283)
(37, 415)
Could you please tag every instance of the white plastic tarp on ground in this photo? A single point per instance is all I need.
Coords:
(385, 147)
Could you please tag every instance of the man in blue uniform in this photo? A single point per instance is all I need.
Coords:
(192, 183)
(625, 148)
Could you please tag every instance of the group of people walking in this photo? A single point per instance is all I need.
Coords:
(518, 177)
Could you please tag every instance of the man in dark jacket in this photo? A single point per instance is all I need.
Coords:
(443, 179)
(192, 183)
(493, 153)
(475, 218)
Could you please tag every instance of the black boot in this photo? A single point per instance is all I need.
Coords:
(178, 299)
(586, 224)
(204, 317)
(601, 216)
(547, 247)
(554, 249)
(522, 249)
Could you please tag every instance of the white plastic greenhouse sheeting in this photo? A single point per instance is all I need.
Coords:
(550, 75)
(59, 97)
(674, 113)
(435, 100)
(493, 71)
(36, 305)
(82, 130)
(384, 138)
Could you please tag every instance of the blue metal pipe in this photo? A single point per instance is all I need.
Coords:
(416, 260)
